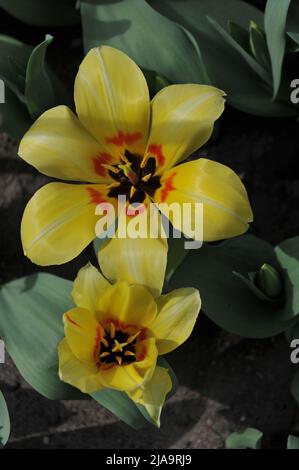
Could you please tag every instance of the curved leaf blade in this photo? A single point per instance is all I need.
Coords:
(275, 28)
(251, 438)
(4, 422)
(31, 310)
(128, 25)
(226, 299)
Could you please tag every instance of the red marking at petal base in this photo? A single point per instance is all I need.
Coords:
(95, 196)
(157, 151)
(124, 138)
(70, 320)
(99, 160)
(134, 211)
(168, 187)
(142, 354)
(98, 339)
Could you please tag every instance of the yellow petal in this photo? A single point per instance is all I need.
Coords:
(135, 260)
(59, 146)
(226, 208)
(132, 376)
(59, 222)
(128, 304)
(177, 314)
(183, 118)
(112, 100)
(84, 376)
(83, 334)
(88, 286)
(152, 396)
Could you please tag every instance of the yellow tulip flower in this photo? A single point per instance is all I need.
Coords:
(116, 332)
(121, 143)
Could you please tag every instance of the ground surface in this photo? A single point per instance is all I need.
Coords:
(226, 383)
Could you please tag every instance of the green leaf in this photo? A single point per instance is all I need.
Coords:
(251, 438)
(121, 405)
(176, 255)
(14, 56)
(4, 422)
(253, 287)
(226, 299)
(43, 90)
(191, 11)
(31, 310)
(43, 12)
(258, 45)
(275, 28)
(251, 62)
(224, 63)
(13, 60)
(287, 254)
(129, 25)
(293, 443)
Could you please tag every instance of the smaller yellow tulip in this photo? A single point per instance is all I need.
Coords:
(116, 332)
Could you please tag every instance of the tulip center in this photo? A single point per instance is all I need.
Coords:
(118, 347)
(134, 177)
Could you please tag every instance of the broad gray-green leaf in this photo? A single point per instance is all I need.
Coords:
(4, 422)
(293, 443)
(31, 310)
(43, 90)
(236, 11)
(121, 405)
(176, 255)
(224, 63)
(275, 27)
(226, 299)
(149, 38)
(43, 12)
(251, 438)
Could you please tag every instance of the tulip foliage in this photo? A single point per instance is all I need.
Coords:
(4, 422)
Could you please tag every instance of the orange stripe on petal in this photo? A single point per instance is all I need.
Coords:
(95, 196)
(98, 340)
(99, 160)
(124, 138)
(157, 151)
(168, 187)
(70, 320)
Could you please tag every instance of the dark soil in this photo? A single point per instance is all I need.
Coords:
(226, 383)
